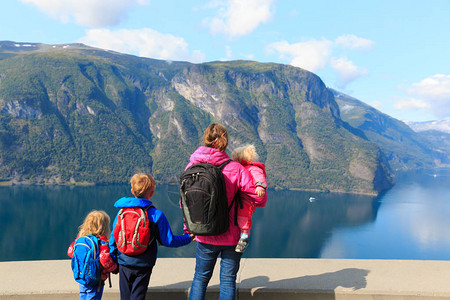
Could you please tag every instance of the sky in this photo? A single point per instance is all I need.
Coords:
(392, 55)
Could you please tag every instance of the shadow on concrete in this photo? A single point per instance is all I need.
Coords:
(321, 286)
(312, 287)
(180, 291)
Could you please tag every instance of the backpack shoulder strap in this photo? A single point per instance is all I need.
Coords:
(237, 202)
(236, 199)
(223, 164)
(153, 234)
(94, 245)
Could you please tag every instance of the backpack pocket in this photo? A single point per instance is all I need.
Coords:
(143, 237)
(198, 202)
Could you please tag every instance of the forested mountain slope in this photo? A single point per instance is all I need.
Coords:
(404, 148)
(78, 114)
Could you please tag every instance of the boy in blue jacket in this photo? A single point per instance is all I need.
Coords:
(135, 270)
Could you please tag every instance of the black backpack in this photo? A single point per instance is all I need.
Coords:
(204, 199)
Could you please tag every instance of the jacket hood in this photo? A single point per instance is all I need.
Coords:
(132, 202)
(208, 155)
(254, 163)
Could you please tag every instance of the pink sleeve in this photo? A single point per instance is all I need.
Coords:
(105, 257)
(248, 187)
(70, 250)
(258, 175)
(185, 230)
(106, 261)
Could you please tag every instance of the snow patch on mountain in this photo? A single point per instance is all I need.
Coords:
(439, 125)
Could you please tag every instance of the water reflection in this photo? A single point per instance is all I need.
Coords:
(293, 227)
(40, 222)
(412, 222)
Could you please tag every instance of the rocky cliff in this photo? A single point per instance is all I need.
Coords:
(78, 114)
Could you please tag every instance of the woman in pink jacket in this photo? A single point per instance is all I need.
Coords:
(237, 179)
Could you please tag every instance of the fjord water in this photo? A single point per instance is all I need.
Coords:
(410, 221)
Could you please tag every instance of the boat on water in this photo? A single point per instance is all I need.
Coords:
(312, 199)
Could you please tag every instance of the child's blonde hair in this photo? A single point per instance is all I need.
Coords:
(216, 136)
(95, 223)
(141, 184)
(247, 153)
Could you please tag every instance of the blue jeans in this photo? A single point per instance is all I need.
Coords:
(90, 293)
(206, 256)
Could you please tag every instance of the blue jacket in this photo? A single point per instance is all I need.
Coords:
(159, 227)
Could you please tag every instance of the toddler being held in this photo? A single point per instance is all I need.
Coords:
(247, 156)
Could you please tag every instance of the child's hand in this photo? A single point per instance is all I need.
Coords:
(192, 237)
(260, 192)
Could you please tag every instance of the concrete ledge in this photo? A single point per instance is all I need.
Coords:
(320, 279)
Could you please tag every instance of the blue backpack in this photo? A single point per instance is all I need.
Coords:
(86, 261)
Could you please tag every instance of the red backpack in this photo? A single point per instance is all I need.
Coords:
(132, 231)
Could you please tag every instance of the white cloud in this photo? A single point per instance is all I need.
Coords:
(237, 17)
(92, 13)
(427, 224)
(311, 55)
(351, 41)
(346, 70)
(143, 42)
(410, 103)
(250, 56)
(314, 55)
(229, 53)
(435, 87)
(434, 91)
(377, 104)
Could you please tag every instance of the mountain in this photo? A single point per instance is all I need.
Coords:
(437, 135)
(440, 142)
(441, 125)
(404, 148)
(76, 114)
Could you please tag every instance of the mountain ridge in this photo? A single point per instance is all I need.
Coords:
(404, 148)
(80, 114)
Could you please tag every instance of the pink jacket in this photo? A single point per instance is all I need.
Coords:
(236, 178)
(258, 171)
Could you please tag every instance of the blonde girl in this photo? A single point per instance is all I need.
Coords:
(96, 223)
